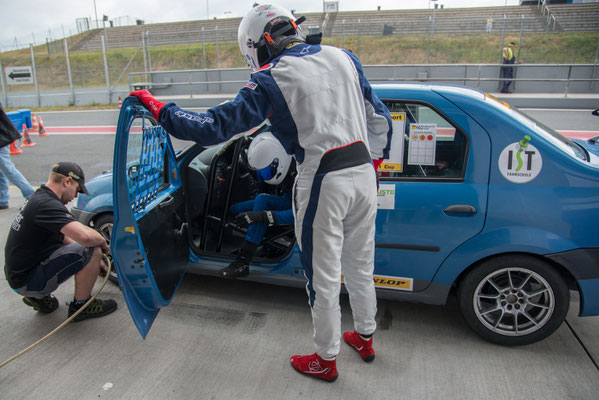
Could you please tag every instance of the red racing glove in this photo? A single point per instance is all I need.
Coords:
(153, 105)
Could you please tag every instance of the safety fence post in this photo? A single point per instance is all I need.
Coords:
(37, 89)
(358, 37)
(428, 44)
(66, 53)
(568, 81)
(4, 86)
(204, 47)
(143, 49)
(148, 45)
(216, 42)
(515, 83)
(106, 69)
(595, 66)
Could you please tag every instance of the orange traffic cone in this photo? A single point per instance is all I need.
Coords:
(42, 130)
(14, 150)
(34, 124)
(120, 102)
(28, 142)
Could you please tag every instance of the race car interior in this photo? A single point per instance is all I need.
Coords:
(218, 177)
(214, 180)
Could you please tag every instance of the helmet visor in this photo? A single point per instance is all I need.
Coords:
(268, 172)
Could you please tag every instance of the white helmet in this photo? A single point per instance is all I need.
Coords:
(268, 158)
(265, 31)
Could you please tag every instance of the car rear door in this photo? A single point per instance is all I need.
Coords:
(149, 240)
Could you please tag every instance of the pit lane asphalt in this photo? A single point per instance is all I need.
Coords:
(232, 339)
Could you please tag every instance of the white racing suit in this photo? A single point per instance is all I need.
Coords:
(322, 110)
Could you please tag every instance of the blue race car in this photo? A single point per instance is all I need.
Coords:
(475, 199)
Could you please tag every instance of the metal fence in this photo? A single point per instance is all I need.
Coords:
(55, 71)
(528, 78)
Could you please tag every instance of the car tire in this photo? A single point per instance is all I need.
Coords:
(103, 224)
(514, 300)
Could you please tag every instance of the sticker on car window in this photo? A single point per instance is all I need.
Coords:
(520, 162)
(395, 161)
(423, 143)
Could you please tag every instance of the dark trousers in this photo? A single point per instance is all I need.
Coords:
(508, 74)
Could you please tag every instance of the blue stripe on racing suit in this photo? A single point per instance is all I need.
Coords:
(375, 102)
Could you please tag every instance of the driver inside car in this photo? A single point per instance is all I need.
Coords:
(271, 164)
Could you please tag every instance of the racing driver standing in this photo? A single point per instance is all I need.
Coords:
(324, 112)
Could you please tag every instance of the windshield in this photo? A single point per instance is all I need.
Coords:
(551, 135)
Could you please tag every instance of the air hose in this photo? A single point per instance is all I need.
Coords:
(59, 327)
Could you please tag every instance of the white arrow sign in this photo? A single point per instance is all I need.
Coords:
(19, 75)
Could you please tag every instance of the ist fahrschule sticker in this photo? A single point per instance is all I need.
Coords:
(520, 162)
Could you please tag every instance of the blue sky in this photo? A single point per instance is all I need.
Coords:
(32, 21)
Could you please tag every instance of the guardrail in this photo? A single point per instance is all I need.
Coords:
(556, 78)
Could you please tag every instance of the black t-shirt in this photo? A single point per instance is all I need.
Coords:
(34, 235)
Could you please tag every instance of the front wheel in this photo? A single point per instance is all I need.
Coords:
(514, 300)
(103, 224)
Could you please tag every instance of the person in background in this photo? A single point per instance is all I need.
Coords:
(507, 72)
(323, 110)
(490, 21)
(46, 245)
(8, 171)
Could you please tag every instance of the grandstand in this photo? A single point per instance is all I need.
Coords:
(568, 17)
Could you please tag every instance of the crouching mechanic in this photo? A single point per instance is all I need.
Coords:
(274, 166)
(46, 246)
(324, 112)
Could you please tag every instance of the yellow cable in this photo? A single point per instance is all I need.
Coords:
(59, 327)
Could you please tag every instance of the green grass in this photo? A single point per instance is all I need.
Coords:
(88, 67)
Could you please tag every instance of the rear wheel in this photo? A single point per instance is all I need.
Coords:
(103, 224)
(514, 300)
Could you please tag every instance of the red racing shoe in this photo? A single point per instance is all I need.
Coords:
(364, 347)
(316, 366)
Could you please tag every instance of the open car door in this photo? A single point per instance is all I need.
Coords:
(149, 243)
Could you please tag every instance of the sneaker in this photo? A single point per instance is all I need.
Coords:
(364, 347)
(44, 305)
(314, 365)
(237, 269)
(97, 308)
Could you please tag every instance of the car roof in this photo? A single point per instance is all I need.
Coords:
(412, 89)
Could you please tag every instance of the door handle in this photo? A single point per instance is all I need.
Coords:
(166, 202)
(460, 208)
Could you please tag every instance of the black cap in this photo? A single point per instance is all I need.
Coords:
(73, 170)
